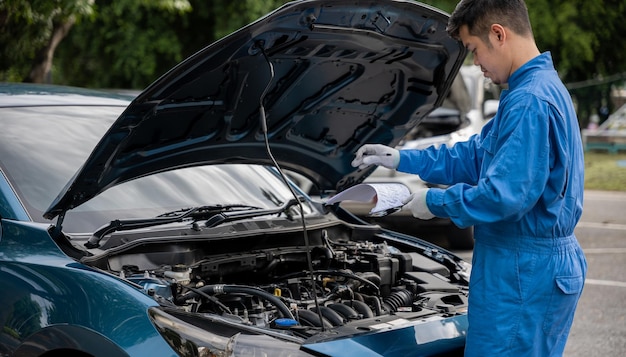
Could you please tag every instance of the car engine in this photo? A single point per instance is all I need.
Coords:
(269, 283)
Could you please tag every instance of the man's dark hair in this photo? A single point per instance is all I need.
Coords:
(479, 15)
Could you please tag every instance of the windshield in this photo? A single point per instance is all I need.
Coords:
(41, 148)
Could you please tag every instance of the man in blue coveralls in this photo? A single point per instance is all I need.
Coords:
(519, 183)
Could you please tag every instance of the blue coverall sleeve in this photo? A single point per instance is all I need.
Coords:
(427, 163)
(513, 161)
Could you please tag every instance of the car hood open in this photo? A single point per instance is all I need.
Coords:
(330, 75)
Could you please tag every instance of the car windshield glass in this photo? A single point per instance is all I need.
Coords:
(40, 164)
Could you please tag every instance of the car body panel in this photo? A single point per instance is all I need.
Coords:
(242, 249)
(10, 206)
(433, 336)
(43, 288)
(70, 296)
(340, 82)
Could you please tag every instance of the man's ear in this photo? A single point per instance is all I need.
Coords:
(498, 32)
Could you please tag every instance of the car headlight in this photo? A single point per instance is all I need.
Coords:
(190, 340)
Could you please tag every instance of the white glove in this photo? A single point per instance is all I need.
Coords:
(376, 154)
(416, 203)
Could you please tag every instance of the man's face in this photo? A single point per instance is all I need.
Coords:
(486, 55)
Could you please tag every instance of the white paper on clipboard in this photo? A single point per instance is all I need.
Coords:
(387, 196)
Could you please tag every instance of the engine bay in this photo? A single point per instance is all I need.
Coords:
(357, 277)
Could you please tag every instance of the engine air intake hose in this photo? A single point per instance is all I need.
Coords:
(397, 299)
(226, 289)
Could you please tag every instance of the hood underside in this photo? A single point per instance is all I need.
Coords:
(330, 76)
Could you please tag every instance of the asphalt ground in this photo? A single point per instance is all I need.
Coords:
(599, 327)
(600, 322)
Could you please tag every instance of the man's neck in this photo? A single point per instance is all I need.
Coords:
(525, 49)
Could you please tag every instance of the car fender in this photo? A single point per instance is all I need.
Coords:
(71, 340)
(43, 290)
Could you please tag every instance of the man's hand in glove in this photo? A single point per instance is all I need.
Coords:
(376, 154)
(416, 203)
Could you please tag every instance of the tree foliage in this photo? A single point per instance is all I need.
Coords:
(27, 30)
(587, 44)
(130, 43)
(586, 37)
(123, 46)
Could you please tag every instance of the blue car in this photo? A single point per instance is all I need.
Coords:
(164, 224)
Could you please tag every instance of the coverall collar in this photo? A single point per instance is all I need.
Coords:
(543, 61)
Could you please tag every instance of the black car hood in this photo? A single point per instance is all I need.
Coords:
(343, 73)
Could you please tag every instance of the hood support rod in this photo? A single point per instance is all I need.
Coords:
(263, 119)
(58, 228)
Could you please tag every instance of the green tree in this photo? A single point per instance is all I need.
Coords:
(129, 44)
(586, 37)
(588, 46)
(445, 5)
(123, 46)
(30, 32)
(212, 20)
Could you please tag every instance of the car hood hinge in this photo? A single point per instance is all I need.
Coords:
(58, 228)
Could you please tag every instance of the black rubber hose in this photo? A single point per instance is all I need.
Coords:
(331, 315)
(310, 318)
(225, 289)
(346, 311)
(375, 302)
(398, 299)
(360, 307)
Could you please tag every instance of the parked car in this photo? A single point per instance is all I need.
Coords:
(610, 135)
(163, 224)
(472, 102)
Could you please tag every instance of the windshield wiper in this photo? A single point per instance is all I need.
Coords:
(214, 214)
(225, 216)
(202, 212)
(195, 213)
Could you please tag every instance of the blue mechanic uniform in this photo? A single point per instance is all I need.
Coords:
(520, 184)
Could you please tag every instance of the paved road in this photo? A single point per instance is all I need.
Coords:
(600, 323)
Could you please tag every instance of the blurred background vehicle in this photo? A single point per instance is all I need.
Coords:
(610, 135)
(472, 102)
